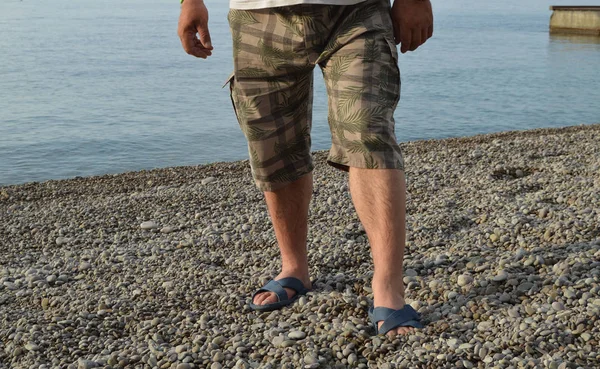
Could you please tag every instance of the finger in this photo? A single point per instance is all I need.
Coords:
(424, 35)
(405, 39)
(430, 31)
(192, 46)
(204, 36)
(198, 45)
(416, 40)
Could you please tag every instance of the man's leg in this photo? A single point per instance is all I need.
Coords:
(379, 196)
(272, 96)
(288, 207)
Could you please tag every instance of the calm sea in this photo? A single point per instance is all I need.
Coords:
(94, 87)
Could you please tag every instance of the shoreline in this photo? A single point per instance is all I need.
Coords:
(408, 144)
(156, 267)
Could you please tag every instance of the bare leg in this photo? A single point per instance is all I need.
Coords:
(288, 208)
(379, 196)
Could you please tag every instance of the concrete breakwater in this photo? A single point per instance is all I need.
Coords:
(154, 269)
(584, 20)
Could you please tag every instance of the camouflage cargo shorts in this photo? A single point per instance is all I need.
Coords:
(275, 51)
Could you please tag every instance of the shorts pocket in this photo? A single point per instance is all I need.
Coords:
(231, 82)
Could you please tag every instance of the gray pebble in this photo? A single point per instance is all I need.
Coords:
(464, 280)
(208, 180)
(148, 225)
(297, 335)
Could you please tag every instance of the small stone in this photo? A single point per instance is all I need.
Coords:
(411, 273)
(208, 180)
(216, 366)
(494, 237)
(113, 360)
(84, 266)
(45, 303)
(61, 240)
(570, 294)
(277, 341)
(415, 304)
(167, 229)
(331, 201)
(11, 286)
(148, 225)
(440, 259)
(51, 278)
(464, 280)
(476, 154)
(529, 310)
(218, 357)
(30, 346)
(483, 352)
(310, 359)
(18, 351)
(168, 285)
(352, 359)
(241, 364)
(465, 346)
(86, 364)
(505, 297)
(524, 287)
(288, 343)
(184, 366)
(302, 301)
(558, 306)
(452, 343)
(218, 340)
(297, 335)
(501, 276)
(586, 336)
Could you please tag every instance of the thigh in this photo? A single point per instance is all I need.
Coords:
(271, 90)
(360, 67)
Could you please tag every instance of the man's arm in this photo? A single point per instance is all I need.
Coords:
(413, 23)
(194, 19)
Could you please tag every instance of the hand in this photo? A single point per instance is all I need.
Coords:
(413, 23)
(194, 19)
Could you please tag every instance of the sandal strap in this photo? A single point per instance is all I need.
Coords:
(405, 317)
(293, 283)
(275, 287)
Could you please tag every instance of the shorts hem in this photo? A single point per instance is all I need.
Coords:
(274, 186)
(362, 165)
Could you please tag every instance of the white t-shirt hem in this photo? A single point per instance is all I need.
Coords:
(262, 4)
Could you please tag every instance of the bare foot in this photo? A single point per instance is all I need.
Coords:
(266, 298)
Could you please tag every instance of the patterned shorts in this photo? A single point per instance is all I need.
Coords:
(275, 51)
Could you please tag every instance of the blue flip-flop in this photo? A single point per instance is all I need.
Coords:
(277, 286)
(405, 317)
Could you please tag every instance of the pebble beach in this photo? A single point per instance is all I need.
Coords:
(154, 269)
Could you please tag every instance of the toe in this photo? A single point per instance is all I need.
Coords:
(400, 331)
(270, 298)
(260, 298)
